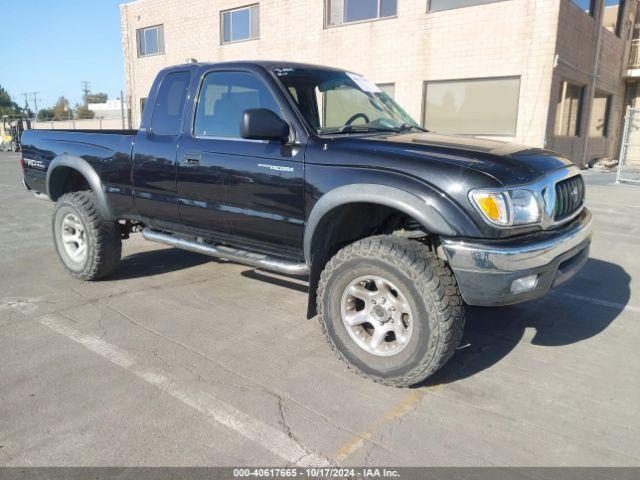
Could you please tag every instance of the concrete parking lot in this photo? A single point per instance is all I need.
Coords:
(183, 360)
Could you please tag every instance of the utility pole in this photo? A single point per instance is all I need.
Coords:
(86, 88)
(26, 104)
(34, 96)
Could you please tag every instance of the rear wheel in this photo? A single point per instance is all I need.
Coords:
(390, 309)
(88, 246)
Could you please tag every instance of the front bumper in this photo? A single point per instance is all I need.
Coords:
(486, 271)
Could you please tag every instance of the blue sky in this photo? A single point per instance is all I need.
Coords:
(51, 46)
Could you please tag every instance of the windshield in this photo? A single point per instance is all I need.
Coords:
(334, 101)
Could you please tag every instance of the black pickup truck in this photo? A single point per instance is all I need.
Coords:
(313, 171)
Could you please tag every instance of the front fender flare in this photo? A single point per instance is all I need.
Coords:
(87, 171)
(417, 208)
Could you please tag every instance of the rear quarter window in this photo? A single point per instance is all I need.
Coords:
(168, 108)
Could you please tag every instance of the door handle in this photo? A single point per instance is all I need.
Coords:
(192, 158)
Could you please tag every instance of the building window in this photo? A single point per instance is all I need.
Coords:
(569, 110)
(151, 41)
(472, 107)
(348, 11)
(587, 5)
(439, 5)
(600, 115)
(612, 17)
(388, 88)
(241, 24)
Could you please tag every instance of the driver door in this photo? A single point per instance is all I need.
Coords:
(263, 181)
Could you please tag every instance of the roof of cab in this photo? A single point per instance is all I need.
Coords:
(268, 64)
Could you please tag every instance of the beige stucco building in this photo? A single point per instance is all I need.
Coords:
(547, 73)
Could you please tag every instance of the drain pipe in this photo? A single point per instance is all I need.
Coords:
(594, 78)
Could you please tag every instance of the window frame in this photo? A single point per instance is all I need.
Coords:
(160, 39)
(449, 80)
(620, 17)
(196, 101)
(579, 116)
(430, 11)
(230, 11)
(327, 15)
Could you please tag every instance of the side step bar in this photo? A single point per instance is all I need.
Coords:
(228, 253)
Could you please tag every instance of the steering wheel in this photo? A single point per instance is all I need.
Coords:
(353, 118)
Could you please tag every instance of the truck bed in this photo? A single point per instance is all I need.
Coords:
(88, 130)
(107, 151)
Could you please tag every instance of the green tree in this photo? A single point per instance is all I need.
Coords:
(45, 114)
(62, 109)
(7, 105)
(83, 112)
(99, 97)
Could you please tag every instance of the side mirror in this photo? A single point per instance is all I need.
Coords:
(263, 124)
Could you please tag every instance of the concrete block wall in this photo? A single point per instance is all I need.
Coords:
(576, 50)
(85, 124)
(509, 38)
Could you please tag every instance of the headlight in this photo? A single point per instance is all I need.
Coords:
(507, 207)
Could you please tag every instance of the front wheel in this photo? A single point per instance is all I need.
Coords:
(390, 309)
(88, 246)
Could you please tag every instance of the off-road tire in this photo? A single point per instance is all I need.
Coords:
(103, 238)
(430, 288)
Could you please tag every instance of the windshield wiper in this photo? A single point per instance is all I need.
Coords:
(358, 129)
(366, 129)
(407, 126)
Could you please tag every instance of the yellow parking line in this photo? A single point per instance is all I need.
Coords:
(408, 404)
(351, 446)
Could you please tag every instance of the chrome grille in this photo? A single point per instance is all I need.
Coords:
(569, 196)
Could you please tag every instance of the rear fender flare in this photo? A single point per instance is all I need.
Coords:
(87, 171)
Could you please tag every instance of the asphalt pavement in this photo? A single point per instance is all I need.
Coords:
(183, 360)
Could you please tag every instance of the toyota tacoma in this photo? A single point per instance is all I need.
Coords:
(313, 171)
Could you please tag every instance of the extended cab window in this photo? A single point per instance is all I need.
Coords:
(169, 104)
(224, 97)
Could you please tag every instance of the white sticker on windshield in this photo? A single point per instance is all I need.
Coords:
(363, 83)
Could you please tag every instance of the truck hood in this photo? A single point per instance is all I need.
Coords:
(508, 163)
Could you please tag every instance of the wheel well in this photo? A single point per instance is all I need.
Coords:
(66, 180)
(348, 223)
